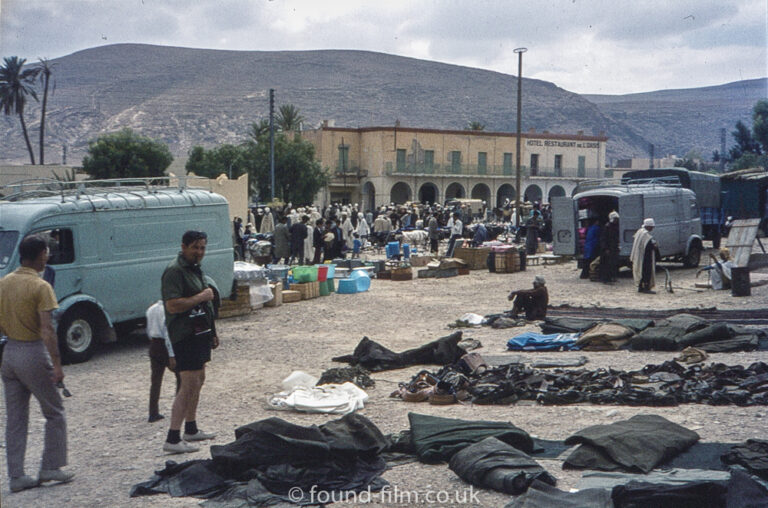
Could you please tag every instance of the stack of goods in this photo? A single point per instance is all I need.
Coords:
(475, 257)
(506, 259)
(448, 267)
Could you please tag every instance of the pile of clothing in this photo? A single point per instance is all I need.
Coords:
(673, 333)
(667, 384)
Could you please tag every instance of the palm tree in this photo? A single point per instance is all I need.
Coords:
(44, 69)
(15, 84)
(258, 129)
(289, 118)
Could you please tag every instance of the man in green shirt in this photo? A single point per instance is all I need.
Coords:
(189, 316)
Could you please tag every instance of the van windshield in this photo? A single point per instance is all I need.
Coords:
(7, 245)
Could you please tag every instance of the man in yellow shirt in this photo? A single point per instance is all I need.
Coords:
(31, 366)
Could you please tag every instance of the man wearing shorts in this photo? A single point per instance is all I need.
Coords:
(189, 316)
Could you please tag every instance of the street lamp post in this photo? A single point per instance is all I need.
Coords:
(518, 177)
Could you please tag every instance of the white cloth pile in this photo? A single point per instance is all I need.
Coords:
(300, 394)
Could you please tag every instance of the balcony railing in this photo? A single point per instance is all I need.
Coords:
(490, 170)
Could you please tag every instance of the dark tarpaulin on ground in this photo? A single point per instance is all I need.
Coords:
(635, 445)
(375, 357)
(541, 495)
(436, 439)
(689, 495)
(271, 456)
(673, 333)
(493, 464)
(752, 455)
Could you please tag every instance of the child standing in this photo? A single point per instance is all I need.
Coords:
(356, 246)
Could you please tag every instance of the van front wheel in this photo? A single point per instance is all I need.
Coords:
(77, 340)
(693, 257)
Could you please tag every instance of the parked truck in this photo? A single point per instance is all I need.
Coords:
(745, 196)
(674, 209)
(110, 242)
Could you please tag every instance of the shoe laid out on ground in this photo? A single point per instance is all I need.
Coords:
(55, 475)
(180, 447)
(23, 483)
(199, 436)
(155, 418)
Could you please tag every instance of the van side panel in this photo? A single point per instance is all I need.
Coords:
(630, 219)
(563, 225)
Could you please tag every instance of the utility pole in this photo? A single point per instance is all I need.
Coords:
(344, 167)
(518, 177)
(272, 139)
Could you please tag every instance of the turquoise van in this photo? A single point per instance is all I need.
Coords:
(110, 243)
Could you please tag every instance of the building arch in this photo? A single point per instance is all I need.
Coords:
(505, 192)
(455, 191)
(369, 196)
(429, 193)
(555, 191)
(481, 191)
(400, 193)
(533, 193)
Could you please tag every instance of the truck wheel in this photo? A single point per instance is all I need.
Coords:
(77, 339)
(693, 257)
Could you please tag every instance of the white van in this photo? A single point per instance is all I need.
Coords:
(674, 210)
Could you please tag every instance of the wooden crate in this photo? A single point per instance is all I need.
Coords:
(314, 289)
(420, 260)
(384, 274)
(463, 271)
(290, 296)
(241, 304)
(475, 257)
(402, 274)
(304, 289)
(507, 262)
(277, 295)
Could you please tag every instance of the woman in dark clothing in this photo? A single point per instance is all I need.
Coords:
(609, 249)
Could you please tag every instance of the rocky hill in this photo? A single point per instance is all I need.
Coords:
(186, 97)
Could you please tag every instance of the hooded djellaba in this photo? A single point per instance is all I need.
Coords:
(644, 253)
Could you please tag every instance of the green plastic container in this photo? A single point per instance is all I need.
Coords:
(324, 289)
(331, 285)
(302, 274)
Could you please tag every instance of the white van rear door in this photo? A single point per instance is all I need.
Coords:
(563, 226)
(630, 220)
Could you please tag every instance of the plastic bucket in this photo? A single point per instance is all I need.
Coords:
(302, 274)
(362, 279)
(331, 285)
(322, 272)
(331, 271)
(324, 291)
(406, 251)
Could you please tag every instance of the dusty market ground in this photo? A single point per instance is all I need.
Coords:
(112, 447)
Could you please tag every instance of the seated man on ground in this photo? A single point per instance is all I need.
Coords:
(531, 301)
(719, 271)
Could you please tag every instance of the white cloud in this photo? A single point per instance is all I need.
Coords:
(596, 46)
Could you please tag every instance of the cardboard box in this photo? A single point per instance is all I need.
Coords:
(277, 295)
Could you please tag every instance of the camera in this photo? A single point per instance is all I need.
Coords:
(200, 323)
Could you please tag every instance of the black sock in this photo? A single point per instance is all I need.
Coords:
(174, 436)
(190, 427)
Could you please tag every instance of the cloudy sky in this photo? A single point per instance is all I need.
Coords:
(585, 46)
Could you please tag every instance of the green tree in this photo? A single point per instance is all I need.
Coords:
(745, 143)
(44, 70)
(258, 129)
(686, 163)
(288, 118)
(126, 154)
(16, 83)
(475, 126)
(298, 176)
(226, 159)
(760, 123)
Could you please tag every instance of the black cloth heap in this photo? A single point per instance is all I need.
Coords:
(636, 445)
(541, 495)
(753, 455)
(375, 357)
(437, 439)
(340, 375)
(271, 456)
(493, 464)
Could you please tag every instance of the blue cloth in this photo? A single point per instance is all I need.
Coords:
(532, 341)
(481, 235)
(592, 242)
(711, 216)
(356, 246)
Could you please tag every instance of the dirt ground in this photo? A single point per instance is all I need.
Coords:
(112, 447)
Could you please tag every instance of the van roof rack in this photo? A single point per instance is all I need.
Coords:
(46, 187)
(661, 181)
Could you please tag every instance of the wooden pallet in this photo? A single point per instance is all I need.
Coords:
(290, 296)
